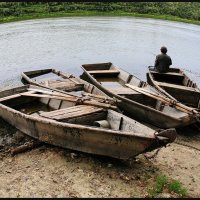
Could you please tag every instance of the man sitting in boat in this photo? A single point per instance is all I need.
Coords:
(163, 61)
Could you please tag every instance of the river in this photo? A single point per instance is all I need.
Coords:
(67, 43)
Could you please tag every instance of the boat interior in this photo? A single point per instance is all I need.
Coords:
(174, 77)
(49, 107)
(63, 81)
(117, 84)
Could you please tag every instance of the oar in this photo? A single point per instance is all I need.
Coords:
(64, 75)
(71, 99)
(165, 100)
(43, 86)
(159, 88)
(29, 80)
(57, 90)
(97, 96)
(51, 92)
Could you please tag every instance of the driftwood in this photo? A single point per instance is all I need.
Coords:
(25, 147)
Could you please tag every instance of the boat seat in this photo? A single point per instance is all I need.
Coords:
(67, 85)
(71, 112)
(122, 90)
(169, 73)
(104, 72)
(162, 84)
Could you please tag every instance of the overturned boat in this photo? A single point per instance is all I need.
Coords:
(176, 85)
(63, 120)
(138, 99)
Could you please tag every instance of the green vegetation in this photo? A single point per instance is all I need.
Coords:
(176, 186)
(188, 12)
(162, 183)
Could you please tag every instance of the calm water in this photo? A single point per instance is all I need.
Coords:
(67, 43)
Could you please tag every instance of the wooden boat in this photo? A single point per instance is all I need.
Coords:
(138, 99)
(65, 83)
(57, 119)
(176, 85)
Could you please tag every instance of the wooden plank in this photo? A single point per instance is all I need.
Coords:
(67, 98)
(64, 110)
(68, 113)
(37, 72)
(162, 84)
(55, 93)
(155, 84)
(76, 114)
(122, 90)
(66, 81)
(66, 76)
(15, 96)
(169, 73)
(97, 96)
(95, 66)
(113, 71)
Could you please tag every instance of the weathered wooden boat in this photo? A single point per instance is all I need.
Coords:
(176, 85)
(57, 119)
(65, 83)
(138, 99)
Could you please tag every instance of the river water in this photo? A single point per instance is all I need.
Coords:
(67, 43)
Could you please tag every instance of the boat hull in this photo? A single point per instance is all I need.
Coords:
(82, 138)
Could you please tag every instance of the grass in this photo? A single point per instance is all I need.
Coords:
(92, 13)
(176, 186)
(160, 183)
(163, 183)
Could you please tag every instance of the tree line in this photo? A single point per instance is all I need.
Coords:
(185, 10)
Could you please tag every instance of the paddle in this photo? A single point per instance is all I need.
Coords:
(165, 100)
(71, 99)
(159, 88)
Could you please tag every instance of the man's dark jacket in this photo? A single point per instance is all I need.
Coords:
(162, 63)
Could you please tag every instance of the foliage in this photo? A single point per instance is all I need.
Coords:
(162, 183)
(185, 10)
(176, 186)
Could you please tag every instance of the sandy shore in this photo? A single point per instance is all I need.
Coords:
(49, 171)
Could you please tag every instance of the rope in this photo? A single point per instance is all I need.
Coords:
(157, 151)
(173, 102)
(152, 156)
(187, 145)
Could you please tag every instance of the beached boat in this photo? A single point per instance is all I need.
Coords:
(176, 85)
(57, 119)
(138, 99)
(65, 83)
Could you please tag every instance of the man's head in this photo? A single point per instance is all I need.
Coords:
(163, 49)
